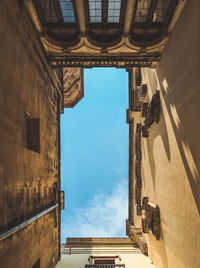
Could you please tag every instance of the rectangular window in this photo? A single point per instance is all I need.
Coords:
(142, 10)
(67, 10)
(95, 11)
(37, 264)
(104, 261)
(114, 10)
(33, 134)
(161, 10)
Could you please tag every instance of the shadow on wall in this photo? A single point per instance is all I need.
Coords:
(160, 131)
(184, 116)
(179, 78)
(183, 109)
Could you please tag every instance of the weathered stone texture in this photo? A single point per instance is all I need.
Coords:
(73, 86)
(29, 88)
(170, 154)
(37, 241)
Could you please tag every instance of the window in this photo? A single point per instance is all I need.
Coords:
(104, 261)
(67, 10)
(33, 134)
(37, 264)
(95, 11)
(142, 10)
(161, 10)
(114, 10)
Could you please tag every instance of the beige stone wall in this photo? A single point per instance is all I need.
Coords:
(170, 155)
(28, 88)
(130, 256)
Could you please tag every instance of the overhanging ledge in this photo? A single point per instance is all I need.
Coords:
(105, 61)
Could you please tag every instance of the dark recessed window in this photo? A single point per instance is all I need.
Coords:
(37, 264)
(114, 10)
(67, 10)
(95, 11)
(142, 10)
(161, 10)
(33, 134)
(106, 261)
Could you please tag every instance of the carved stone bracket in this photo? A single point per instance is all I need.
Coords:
(155, 106)
(151, 222)
(156, 222)
(132, 232)
(151, 113)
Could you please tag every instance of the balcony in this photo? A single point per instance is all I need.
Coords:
(105, 266)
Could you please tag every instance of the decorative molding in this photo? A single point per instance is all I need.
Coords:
(151, 113)
(138, 142)
(98, 241)
(151, 221)
(138, 180)
(132, 232)
(123, 39)
(118, 61)
(73, 86)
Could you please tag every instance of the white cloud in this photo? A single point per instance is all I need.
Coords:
(103, 217)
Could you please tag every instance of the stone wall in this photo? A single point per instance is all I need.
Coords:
(29, 180)
(170, 153)
(79, 256)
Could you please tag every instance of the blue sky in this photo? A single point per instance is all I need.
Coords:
(94, 157)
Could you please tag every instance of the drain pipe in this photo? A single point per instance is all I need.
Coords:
(26, 223)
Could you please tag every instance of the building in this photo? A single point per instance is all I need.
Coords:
(164, 183)
(118, 252)
(45, 44)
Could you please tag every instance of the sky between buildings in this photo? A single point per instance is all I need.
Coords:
(94, 157)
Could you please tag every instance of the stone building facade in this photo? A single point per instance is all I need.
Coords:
(102, 252)
(164, 162)
(30, 145)
(37, 41)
